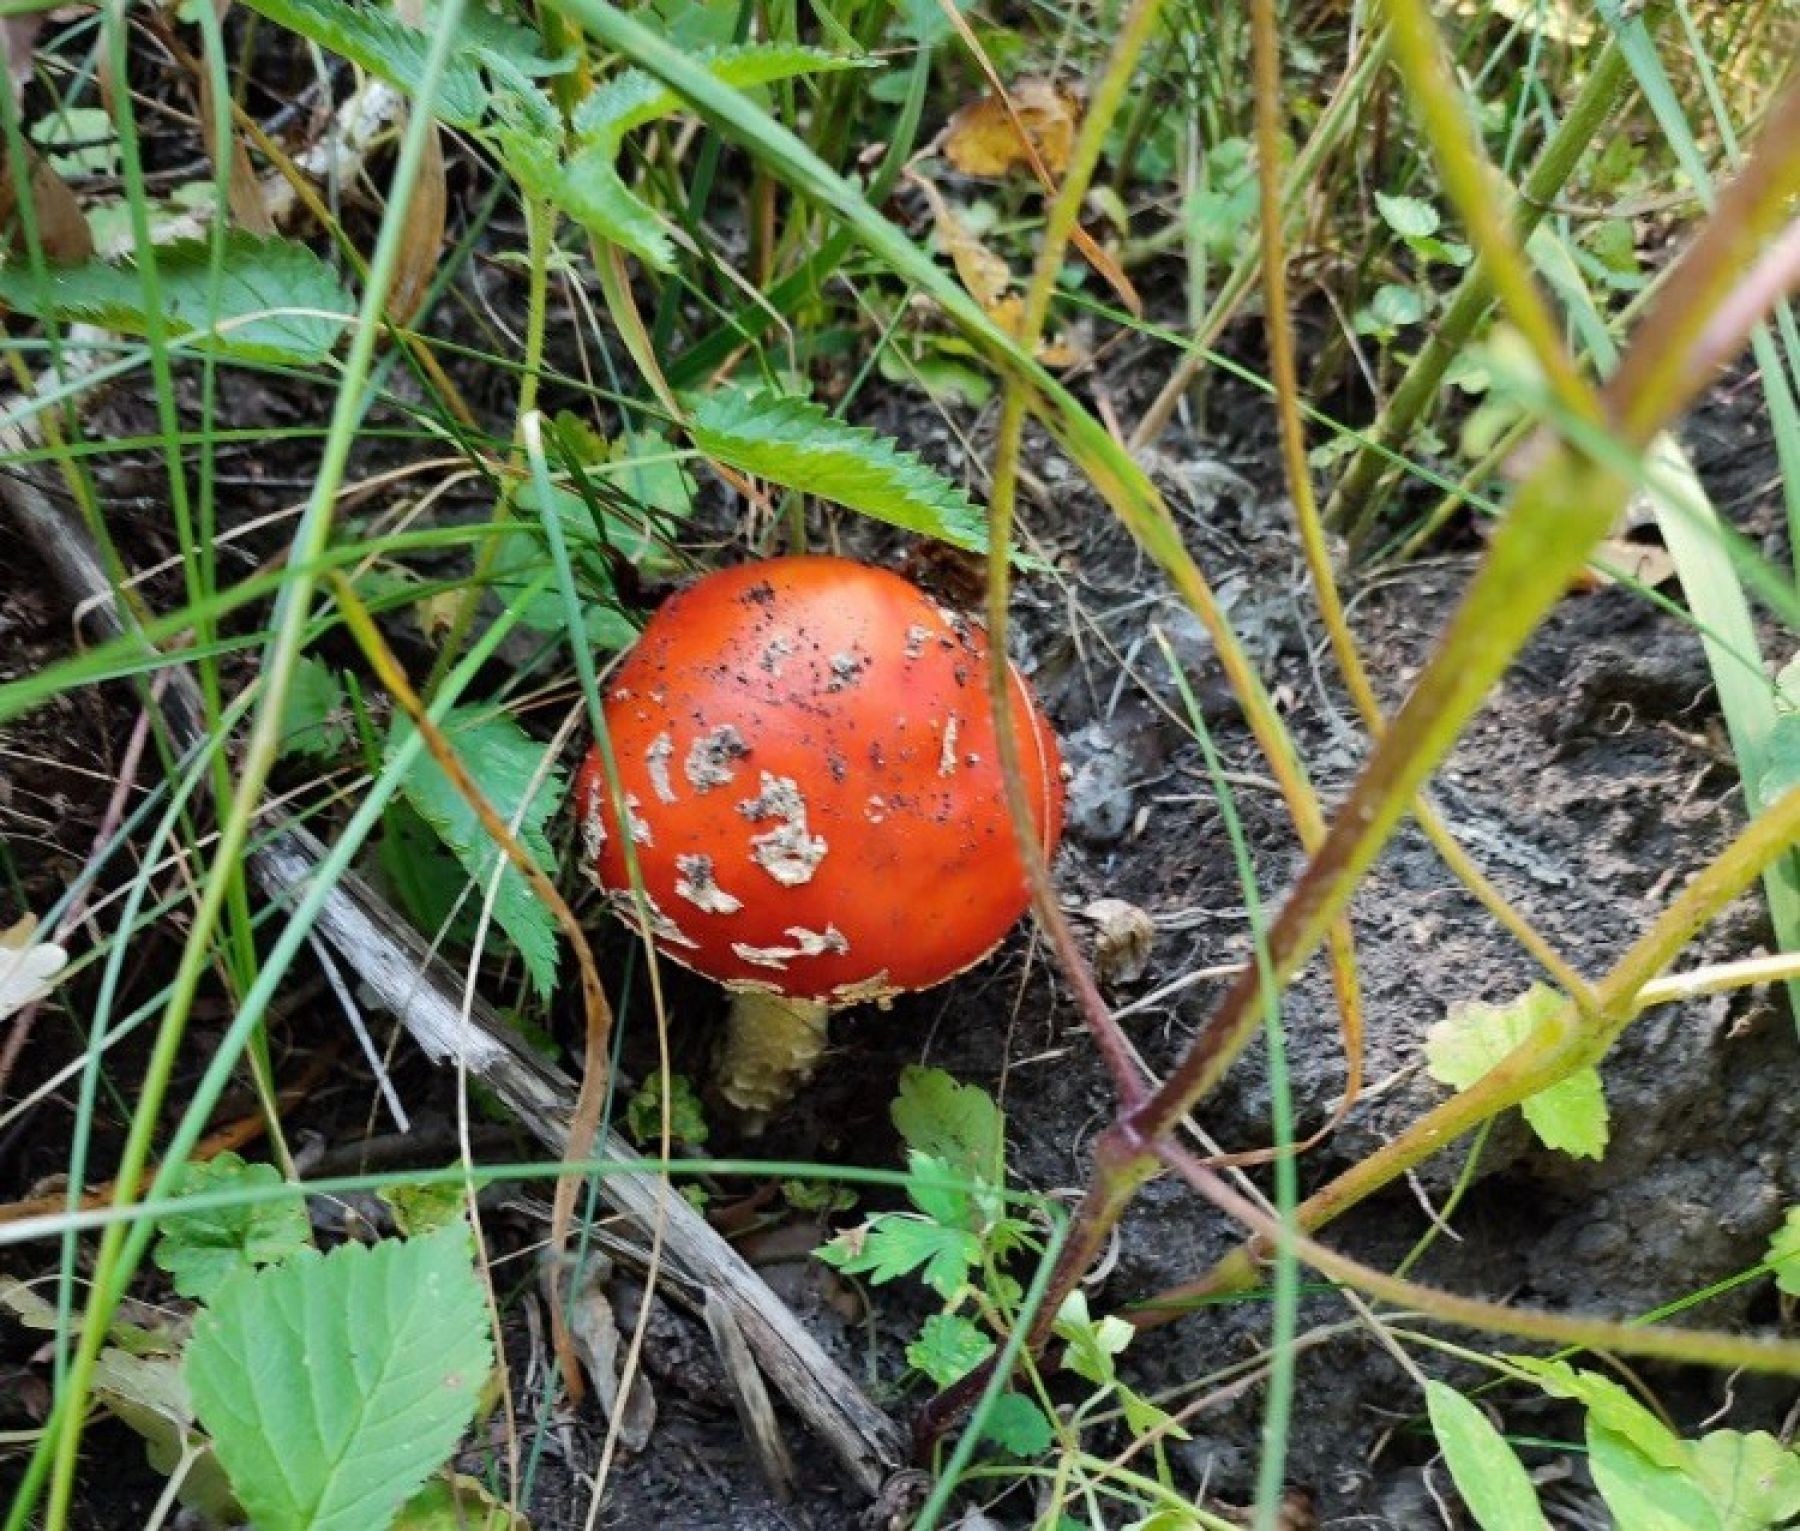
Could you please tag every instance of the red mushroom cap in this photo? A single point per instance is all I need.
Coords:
(808, 761)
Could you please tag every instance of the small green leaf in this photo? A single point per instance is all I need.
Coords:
(931, 1187)
(149, 1395)
(1643, 1494)
(1753, 1479)
(512, 771)
(1781, 757)
(1017, 1425)
(1392, 308)
(1409, 217)
(1569, 1115)
(1487, 1472)
(794, 443)
(1091, 1344)
(333, 1385)
(80, 140)
(1610, 1407)
(586, 184)
(948, 1348)
(315, 720)
(200, 1250)
(951, 1121)
(456, 1503)
(426, 1208)
(897, 1243)
(687, 1117)
(277, 301)
(1784, 1253)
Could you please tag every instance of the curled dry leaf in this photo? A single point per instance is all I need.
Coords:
(28, 969)
(423, 243)
(1123, 937)
(595, 1332)
(984, 140)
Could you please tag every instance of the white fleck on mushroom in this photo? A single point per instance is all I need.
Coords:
(656, 762)
(640, 826)
(947, 755)
(696, 881)
(807, 943)
(917, 636)
(712, 759)
(788, 853)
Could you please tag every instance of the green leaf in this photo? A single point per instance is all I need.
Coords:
(796, 444)
(1610, 1408)
(456, 1503)
(315, 721)
(586, 184)
(1487, 1472)
(1781, 757)
(1643, 1494)
(1409, 217)
(687, 1117)
(378, 41)
(897, 1243)
(930, 1187)
(955, 1122)
(333, 1385)
(1015, 1424)
(1091, 1344)
(277, 301)
(1784, 1253)
(505, 763)
(80, 140)
(200, 1250)
(948, 1348)
(1393, 307)
(426, 1208)
(1754, 1480)
(1569, 1115)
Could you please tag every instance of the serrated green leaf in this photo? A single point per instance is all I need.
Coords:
(930, 1187)
(897, 1243)
(1487, 1472)
(687, 1116)
(504, 762)
(1409, 217)
(313, 720)
(1610, 1407)
(333, 1385)
(277, 301)
(948, 1348)
(1569, 1115)
(794, 443)
(585, 183)
(1643, 1494)
(958, 1123)
(1784, 1253)
(378, 41)
(201, 1250)
(1753, 1480)
(1014, 1423)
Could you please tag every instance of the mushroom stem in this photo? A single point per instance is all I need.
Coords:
(772, 1044)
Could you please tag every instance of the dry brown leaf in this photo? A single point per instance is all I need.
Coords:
(62, 227)
(984, 273)
(1649, 563)
(983, 139)
(242, 188)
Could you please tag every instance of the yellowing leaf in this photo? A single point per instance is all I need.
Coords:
(984, 137)
(1569, 1115)
(984, 273)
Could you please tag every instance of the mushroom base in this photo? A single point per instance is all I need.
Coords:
(772, 1045)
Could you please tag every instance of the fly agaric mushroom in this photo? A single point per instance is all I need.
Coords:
(808, 768)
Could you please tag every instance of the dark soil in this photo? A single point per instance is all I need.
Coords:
(1593, 784)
